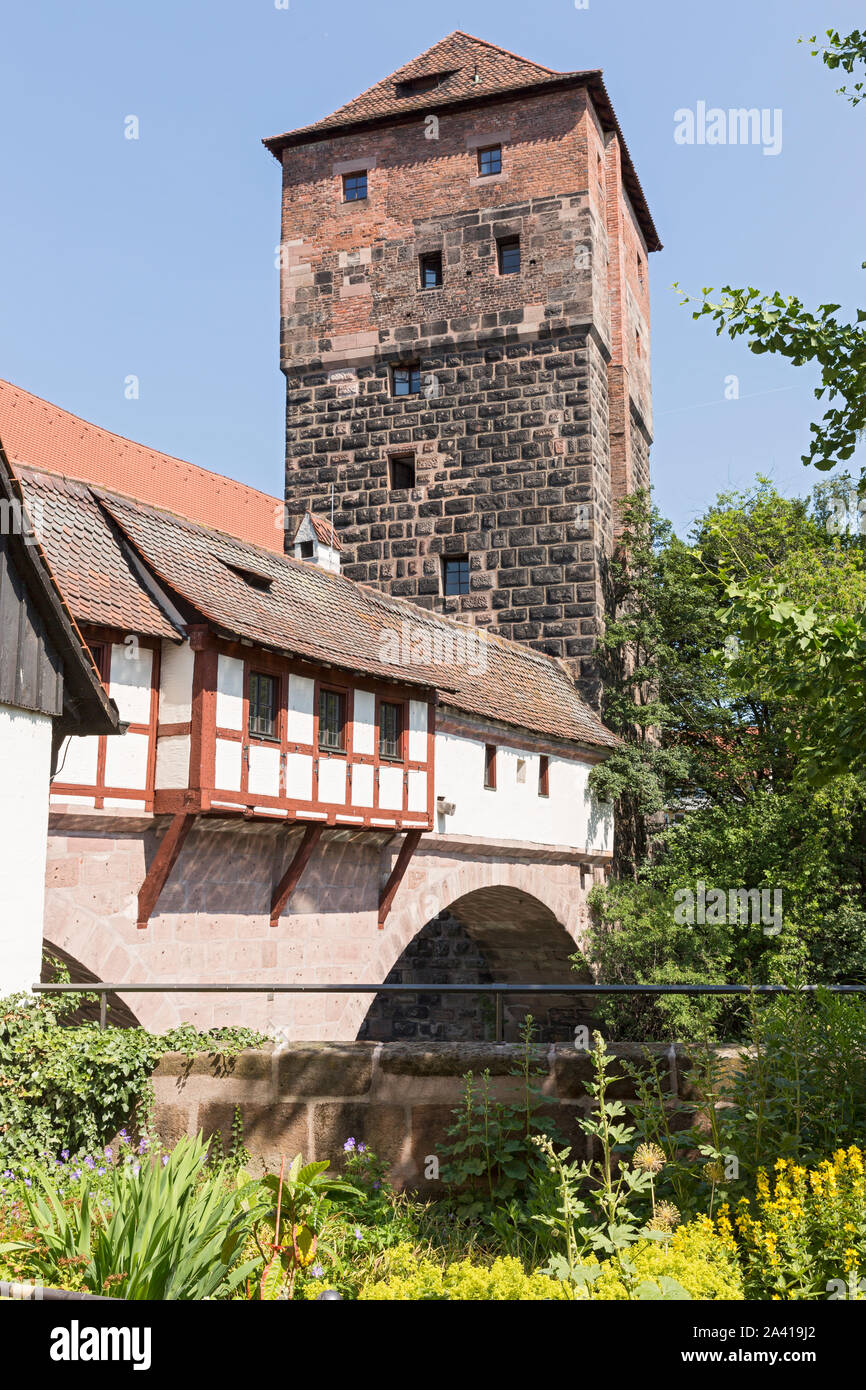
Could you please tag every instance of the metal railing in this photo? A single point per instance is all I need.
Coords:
(499, 991)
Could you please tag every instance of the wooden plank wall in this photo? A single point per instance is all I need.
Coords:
(31, 671)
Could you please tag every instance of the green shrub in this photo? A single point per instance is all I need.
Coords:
(695, 1256)
(73, 1087)
(410, 1279)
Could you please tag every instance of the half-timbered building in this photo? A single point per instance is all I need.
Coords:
(312, 772)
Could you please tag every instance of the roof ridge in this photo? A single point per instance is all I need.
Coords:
(125, 439)
(464, 33)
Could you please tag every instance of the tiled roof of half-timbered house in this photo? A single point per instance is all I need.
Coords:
(109, 550)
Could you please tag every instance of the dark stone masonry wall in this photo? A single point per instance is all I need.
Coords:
(511, 470)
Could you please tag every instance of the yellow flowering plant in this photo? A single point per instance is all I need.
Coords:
(803, 1234)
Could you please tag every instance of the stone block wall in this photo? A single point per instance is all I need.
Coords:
(212, 922)
(397, 1098)
(534, 411)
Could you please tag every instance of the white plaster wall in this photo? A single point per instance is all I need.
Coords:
(227, 765)
(364, 722)
(77, 761)
(25, 760)
(332, 780)
(126, 760)
(391, 788)
(230, 695)
(264, 772)
(299, 777)
(175, 683)
(417, 791)
(513, 810)
(417, 731)
(362, 784)
(131, 672)
(300, 722)
(172, 761)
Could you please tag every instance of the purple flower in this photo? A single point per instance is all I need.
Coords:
(88, 1162)
(348, 1146)
(362, 1148)
(64, 1154)
(317, 1271)
(376, 1185)
(136, 1170)
(142, 1146)
(164, 1160)
(27, 1182)
(109, 1152)
(100, 1172)
(357, 1232)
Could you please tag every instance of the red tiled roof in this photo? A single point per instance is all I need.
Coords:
(324, 531)
(471, 70)
(295, 608)
(87, 708)
(97, 579)
(41, 435)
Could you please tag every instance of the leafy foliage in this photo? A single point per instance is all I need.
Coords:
(73, 1087)
(845, 52)
(161, 1231)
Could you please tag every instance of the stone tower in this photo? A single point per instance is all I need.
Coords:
(465, 338)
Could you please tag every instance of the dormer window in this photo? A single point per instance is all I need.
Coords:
(413, 86)
(306, 550)
(354, 187)
(490, 160)
(257, 579)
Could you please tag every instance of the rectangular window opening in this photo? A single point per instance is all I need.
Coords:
(490, 160)
(455, 574)
(263, 706)
(508, 251)
(543, 775)
(490, 766)
(354, 187)
(406, 380)
(390, 730)
(332, 719)
(401, 468)
(431, 270)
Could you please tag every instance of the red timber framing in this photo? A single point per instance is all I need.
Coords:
(291, 878)
(203, 793)
(162, 864)
(407, 849)
(101, 640)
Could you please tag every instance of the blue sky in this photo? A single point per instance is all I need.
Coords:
(156, 257)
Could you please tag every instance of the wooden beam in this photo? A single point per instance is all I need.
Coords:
(407, 849)
(292, 877)
(162, 864)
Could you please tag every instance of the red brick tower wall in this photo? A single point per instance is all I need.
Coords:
(535, 411)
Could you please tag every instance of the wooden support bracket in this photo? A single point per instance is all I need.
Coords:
(291, 878)
(162, 864)
(407, 849)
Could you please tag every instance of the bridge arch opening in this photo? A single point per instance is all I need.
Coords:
(56, 963)
(492, 935)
